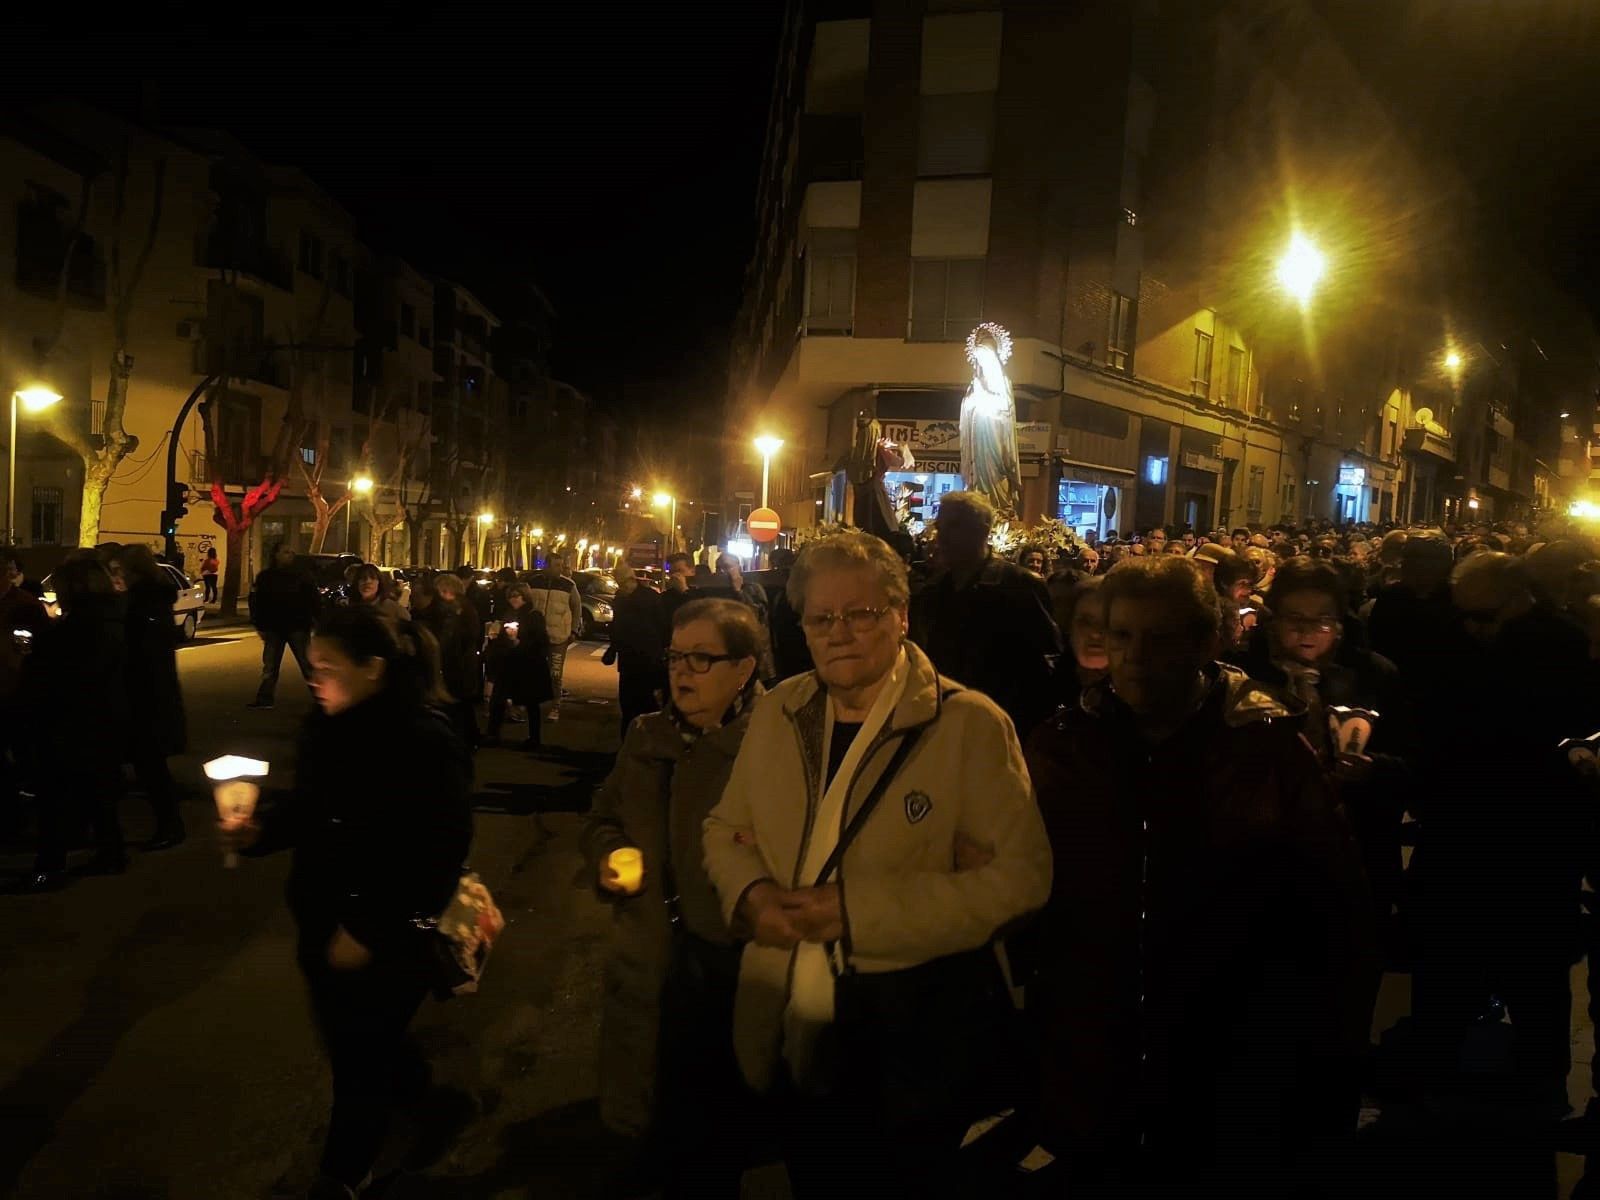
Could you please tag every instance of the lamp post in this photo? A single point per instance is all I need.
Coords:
(361, 485)
(34, 399)
(663, 500)
(768, 446)
(485, 519)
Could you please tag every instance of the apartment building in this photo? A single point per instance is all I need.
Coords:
(1121, 211)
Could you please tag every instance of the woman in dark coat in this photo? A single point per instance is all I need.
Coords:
(380, 825)
(158, 727)
(517, 662)
(77, 662)
(666, 1051)
(455, 627)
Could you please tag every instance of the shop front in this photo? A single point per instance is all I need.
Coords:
(1090, 499)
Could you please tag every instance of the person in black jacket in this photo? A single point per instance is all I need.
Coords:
(455, 627)
(380, 825)
(78, 720)
(638, 640)
(983, 621)
(158, 727)
(517, 661)
(283, 606)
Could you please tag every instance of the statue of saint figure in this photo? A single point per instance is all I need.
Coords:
(989, 461)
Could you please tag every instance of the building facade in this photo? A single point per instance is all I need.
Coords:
(931, 165)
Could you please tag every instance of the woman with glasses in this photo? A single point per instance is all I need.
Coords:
(667, 1070)
(878, 834)
(1303, 650)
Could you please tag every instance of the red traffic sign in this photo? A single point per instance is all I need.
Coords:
(764, 525)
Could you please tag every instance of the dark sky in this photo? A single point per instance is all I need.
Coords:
(607, 153)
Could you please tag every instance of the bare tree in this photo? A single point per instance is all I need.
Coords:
(100, 461)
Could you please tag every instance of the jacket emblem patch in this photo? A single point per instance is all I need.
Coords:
(918, 805)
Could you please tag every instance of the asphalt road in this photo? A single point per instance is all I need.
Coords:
(154, 1038)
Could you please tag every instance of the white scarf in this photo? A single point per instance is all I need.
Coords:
(810, 1007)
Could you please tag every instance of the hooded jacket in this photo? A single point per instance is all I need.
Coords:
(903, 900)
(1208, 964)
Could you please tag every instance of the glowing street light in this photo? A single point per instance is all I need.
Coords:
(768, 446)
(1301, 268)
(361, 485)
(486, 518)
(665, 500)
(34, 399)
(1452, 360)
(636, 494)
(538, 532)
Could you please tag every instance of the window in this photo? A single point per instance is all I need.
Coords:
(408, 320)
(1119, 341)
(1257, 486)
(1155, 470)
(1236, 377)
(946, 298)
(311, 254)
(308, 455)
(1288, 500)
(1202, 364)
(830, 281)
(424, 336)
(955, 134)
(45, 527)
(339, 273)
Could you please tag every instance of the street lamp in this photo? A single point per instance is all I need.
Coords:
(485, 519)
(636, 494)
(1452, 361)
(768, 446)
(34, 399)
(1301, 268)
(663, 500)
(361, 485)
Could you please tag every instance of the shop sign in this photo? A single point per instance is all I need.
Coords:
(943, 438)
(1201, 462)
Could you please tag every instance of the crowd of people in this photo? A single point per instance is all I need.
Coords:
(1113, 841)
(1116, 841)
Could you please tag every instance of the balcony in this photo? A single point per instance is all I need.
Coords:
(262, 264)
(1421, 440)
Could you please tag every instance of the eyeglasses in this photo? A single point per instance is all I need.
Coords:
(856, 620)
(697, 662)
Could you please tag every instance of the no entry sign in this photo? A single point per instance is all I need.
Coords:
(764, 525)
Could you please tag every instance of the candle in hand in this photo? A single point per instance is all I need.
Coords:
(235, 790)
(628, 864)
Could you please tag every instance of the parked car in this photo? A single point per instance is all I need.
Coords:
(188, 610)
(595, 592)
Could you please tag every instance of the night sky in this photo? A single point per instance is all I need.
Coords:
(606, 153)
(609, 153)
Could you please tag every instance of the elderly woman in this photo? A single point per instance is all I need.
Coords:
(878, 833)
(666, 1061)
(1084, 627)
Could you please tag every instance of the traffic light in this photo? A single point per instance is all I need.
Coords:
(177, 508)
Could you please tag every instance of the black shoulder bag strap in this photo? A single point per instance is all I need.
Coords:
(902, 752)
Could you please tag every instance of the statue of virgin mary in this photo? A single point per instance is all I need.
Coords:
(989, 462)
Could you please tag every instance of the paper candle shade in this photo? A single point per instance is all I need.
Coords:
(1351, 728)
(628, 863)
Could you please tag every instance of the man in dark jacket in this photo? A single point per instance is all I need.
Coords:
(283, 606)
(983, 621)
(1207, 969)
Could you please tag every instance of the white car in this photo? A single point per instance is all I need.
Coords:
(188, 610)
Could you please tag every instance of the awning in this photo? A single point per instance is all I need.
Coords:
(1104, 476)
